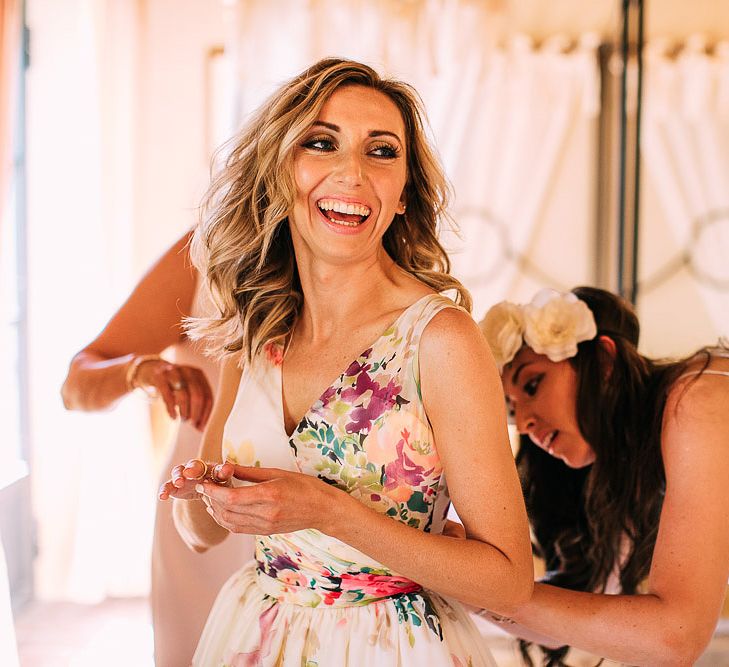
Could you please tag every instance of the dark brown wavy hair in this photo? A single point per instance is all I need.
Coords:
(587, 521)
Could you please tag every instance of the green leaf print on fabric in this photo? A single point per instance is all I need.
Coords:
(415, 609)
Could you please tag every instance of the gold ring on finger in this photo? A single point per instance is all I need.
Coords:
(204, 472)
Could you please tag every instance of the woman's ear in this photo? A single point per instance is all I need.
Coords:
(609, 352)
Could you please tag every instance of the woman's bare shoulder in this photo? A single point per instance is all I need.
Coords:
(697, 399)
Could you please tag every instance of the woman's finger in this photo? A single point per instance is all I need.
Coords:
(195, 395)
(168, 396)
(256, 474)
(454, 529)
(176, 476)
(179, 389)
(197, 469)
(199, 394)
(164, 490)
(205, 412)
(223, 473)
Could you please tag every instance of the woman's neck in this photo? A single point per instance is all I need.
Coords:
(339, 295)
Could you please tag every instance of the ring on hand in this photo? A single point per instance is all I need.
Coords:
(204, 472)
(177, 385)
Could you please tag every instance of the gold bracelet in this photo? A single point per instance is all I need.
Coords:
(505, 620)
(133, 369)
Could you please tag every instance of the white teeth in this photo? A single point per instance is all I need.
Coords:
(343, 207)
(548, 440)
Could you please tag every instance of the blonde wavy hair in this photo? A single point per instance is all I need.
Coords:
(243, 246)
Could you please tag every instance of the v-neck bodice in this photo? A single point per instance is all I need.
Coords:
(279, 361)
(367, 434)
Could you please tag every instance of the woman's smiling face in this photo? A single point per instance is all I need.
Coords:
(542, 397)
(350, 170)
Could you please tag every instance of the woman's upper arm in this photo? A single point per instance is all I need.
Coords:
(691, 559)
(464, 402)
(150, 319)
(230, 375)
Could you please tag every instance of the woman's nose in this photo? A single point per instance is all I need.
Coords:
(524, 421)
(349, 169)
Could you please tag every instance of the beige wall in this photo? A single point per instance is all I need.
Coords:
(171, 156)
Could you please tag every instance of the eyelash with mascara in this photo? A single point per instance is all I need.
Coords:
(530, 387)
(386, 150)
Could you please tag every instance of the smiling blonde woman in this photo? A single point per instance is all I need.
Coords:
(361, 390)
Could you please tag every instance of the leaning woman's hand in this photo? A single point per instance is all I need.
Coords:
(185, 477)
(278, 502)
(184, 389)
(454, 529)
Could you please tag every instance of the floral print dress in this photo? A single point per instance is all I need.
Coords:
(310, 600)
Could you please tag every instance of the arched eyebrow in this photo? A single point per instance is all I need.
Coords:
(371, 133)
(515, 377)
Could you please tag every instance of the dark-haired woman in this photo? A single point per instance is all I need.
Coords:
(625, 467)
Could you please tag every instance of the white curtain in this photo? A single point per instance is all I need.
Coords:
(93, 487)
(515, 124)
(685, 162)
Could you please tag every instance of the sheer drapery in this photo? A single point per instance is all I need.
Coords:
(9, 69)
(685, 162)
(93, 486)
(10, 29)
(515, 124)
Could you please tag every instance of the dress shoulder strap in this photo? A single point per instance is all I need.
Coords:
(720, 353)
(421, 316)
(708, 371)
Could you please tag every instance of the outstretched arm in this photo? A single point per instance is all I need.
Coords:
(673, 622)
(147, 323)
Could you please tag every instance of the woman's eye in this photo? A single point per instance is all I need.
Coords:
(530, 388)
(323, 144)
(384, 150)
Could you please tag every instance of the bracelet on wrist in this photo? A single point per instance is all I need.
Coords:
(133, 370)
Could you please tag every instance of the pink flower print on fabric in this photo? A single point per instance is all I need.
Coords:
(381, 400)
(403, 470)
(274, 353)
(255, 658)
(377, 585)
(326, 397)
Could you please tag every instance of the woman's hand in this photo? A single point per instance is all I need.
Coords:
(278, 502)
(454, 529)
(185, 477)
(184, 389)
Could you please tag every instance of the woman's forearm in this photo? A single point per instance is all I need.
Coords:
(519, 631)
(635, 629)
(469, 570)
(196, 527)
(95, 382)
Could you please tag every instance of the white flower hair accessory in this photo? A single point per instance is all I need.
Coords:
(552, 324)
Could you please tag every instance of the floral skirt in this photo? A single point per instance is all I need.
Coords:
(249, 627)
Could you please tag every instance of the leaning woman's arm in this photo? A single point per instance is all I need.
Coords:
(673, 622)
(147, 323)
(196, 527)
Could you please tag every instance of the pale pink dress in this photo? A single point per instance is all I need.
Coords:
(184, 583)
